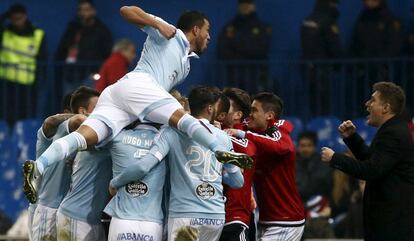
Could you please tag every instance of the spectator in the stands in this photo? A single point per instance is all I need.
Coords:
(22, 50)
(314, 185)
(245, 37)
(354, 221)
(116, 66)
(85, 44)
(377, 34)
(342, 189)
(320, 41)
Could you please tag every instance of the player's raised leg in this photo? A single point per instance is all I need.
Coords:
(106, 120)
(60, 149)
(169, 111)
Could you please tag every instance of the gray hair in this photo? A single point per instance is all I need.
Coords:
(122, 44)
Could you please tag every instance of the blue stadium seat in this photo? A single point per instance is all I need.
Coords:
(16, 202)
(367, 132)
(4, 130)
(298, 126)
(8, 163)
(25, 135)
(339, 145)
(326, 128)
(11, 199)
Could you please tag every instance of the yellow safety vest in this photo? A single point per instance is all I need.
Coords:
(18, 56)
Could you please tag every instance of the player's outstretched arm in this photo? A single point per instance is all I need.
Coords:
(135, 172)
(76, 121)
(232, 176)
(140, 18)
(50, 125)
(139, 169)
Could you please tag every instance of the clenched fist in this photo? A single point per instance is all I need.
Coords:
(346, 129)
(167, 30)
(326, 154)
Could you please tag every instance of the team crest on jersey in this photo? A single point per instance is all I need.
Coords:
(137, 189)
(205, 191)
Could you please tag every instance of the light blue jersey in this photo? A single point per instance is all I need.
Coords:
(42, 142)
(195, 175)
(165, 60)
(139, 200)
(196, 189)
(56, 178)
(88, 193)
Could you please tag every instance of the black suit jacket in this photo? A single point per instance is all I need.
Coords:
(388, 167)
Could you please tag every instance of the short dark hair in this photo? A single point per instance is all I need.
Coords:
(16, 8)
(270, 102)
(202, 96)
(190, 19)
(311, 135)
(241, 100)
(66, 101)
(224, 104)
(392, 94)
(81, 97)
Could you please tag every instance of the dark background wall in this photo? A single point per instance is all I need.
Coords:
(284, 16)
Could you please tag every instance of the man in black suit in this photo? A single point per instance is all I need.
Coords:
(387, 166)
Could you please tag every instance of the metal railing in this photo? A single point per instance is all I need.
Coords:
(53, 81)
(308, 88)
(319, 87)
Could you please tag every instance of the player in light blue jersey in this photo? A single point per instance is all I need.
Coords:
(143, 93)
(79, 214)
(136, 208)
(56, 179)
(196, 197)
(44, 139)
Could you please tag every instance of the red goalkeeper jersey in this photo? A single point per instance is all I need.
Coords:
(278, 198)
(238, 203)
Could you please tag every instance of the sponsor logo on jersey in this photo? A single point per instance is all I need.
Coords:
(205, 191)
(137, 189)
(134, 236)
(206, 221)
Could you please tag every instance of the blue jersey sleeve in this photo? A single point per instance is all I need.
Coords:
(42, 142)
(138, 171)
(232, 176)
(229, 143)
(154, 33)
(162, 142)
(135, 172)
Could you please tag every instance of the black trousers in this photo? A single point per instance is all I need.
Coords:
(17, 101)
(235, 232)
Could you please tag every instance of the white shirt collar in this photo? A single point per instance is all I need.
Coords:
(187, 44)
